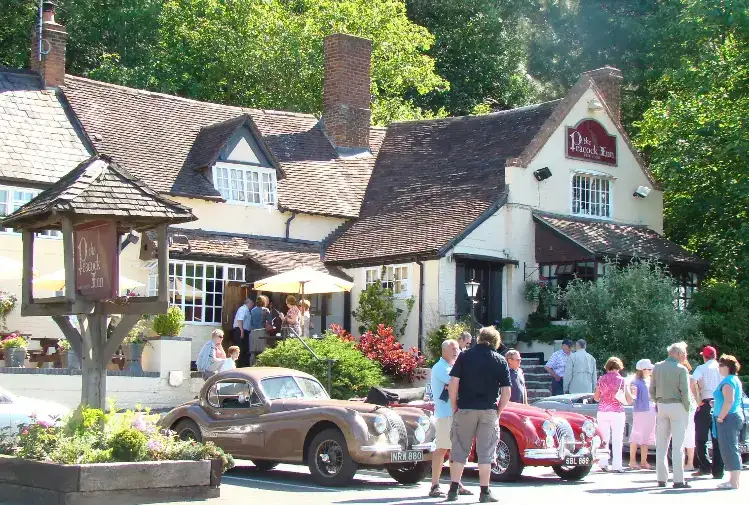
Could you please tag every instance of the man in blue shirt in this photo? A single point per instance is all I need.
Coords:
(443, 413)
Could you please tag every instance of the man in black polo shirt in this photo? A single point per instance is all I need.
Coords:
(479, 378)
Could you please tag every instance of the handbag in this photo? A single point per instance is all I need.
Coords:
(621, 396)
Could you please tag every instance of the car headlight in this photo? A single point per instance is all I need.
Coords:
(420, 435)
(379, 424)
(424, 423)
(549, 428)
(394, 437)
(589, 428)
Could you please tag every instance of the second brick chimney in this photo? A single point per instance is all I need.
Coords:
(346, 112)
(51, 66)
(609, 83)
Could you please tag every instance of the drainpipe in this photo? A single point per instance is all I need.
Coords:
(421, 304)
(288, 223)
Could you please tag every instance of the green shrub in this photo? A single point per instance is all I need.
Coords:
(545, 334)
(86, 420)
(353, 374)
(507, 324)
(439, 335)
(37, 440)
(169, 324)
(128, 444)
(629, 313)
(723, 310)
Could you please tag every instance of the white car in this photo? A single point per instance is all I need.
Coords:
(18, 410)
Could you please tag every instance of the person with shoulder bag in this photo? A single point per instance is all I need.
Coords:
(612, 395)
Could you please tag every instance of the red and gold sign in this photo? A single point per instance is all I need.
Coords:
(96, 260)
(589, 141)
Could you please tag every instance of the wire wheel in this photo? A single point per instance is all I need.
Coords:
(329, 458)
(501, 459)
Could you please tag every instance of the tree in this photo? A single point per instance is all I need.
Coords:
(697, 138)
(16, 21)
(629, 313)
(268, 53)
(480, 49)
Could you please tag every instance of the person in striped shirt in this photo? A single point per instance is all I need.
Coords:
(556, 366)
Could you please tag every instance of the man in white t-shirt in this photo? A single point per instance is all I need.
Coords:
(705, 380)
(240, 333)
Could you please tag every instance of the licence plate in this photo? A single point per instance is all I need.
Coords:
(743, 448)
(406, 456)
(578, 461)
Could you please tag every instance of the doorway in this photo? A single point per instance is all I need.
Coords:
(488, 307)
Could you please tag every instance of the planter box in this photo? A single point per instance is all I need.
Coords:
(37, 483)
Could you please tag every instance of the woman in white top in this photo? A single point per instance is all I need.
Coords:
(306, 321)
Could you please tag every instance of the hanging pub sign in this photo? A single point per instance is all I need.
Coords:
(589, 141)
(96, 260)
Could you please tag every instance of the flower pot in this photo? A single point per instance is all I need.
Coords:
(15, 356)
(133, 355)
(69, 359)
(510, 337)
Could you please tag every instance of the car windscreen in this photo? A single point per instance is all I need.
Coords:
(277, 388)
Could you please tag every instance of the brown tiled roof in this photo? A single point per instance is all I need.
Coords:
(38, 142)
(152, 134)
(605, 238)
(434, 180)
(99, 187)
(274, 254)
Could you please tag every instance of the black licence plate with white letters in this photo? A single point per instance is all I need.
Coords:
(578, 461)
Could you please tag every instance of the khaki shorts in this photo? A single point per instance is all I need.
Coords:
(481, 424)
(442, 440)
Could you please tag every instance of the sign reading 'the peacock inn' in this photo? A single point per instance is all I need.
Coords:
(96, 260)
(588, 140)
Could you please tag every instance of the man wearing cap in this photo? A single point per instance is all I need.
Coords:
(580, 375)
(705, 380)
(556, 366)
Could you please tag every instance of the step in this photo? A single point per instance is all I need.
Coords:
(531, 361)
(533, 369)
(536, 376)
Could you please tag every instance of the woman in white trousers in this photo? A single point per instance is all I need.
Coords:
(611, 396)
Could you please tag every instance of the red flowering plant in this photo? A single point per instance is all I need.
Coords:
(396, 361)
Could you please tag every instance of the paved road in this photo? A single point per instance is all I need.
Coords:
(292, 485)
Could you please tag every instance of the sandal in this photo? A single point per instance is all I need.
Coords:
(634, 466)
(435, 492)
(464, 492)
(726, 485)
(646, 466)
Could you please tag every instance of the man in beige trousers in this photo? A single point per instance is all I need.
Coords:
(669, 388)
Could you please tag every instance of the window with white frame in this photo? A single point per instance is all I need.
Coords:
(591, 195)
(197, 287)
(242, 184)
(12, 198)
(394, 277)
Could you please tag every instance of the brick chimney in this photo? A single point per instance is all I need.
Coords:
(346, 112)
(609, 83)
(51, 67)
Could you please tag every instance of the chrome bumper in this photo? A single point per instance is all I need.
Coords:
(426, 446)
(557, 453)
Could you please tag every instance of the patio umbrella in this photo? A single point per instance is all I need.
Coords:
(11, 268)
(305, 281)
(56, 282)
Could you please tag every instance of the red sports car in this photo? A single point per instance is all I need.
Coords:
(568, 442)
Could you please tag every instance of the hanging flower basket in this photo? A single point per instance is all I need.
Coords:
(8, 302)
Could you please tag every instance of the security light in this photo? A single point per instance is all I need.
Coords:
(542, 174)
(642, 192)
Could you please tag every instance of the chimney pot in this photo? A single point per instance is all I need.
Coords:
(51, 65)
(347, 99)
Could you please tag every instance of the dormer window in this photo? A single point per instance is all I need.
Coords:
(247, 185)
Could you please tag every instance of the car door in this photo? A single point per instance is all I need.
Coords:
(235, 408)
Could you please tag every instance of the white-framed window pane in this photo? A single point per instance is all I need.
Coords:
(222, 182)
(591, 196)
(198, 288)
(236, 182)
(269, 188)
(371, 275)
(253, 187)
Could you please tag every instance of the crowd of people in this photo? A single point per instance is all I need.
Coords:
(675, 408)
(254, 322)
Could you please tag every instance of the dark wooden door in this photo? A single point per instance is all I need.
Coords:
(234, 294)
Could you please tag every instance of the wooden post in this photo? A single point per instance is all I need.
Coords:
(163, 262)
(71, 334)
(94, 384)
(68, 257)
(28, 268)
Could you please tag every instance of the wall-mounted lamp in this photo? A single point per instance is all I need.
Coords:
(642, 192)
(595, 104)
(131, 238)
(542, 174)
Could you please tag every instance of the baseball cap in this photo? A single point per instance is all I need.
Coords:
(567, 342)
(709, 352)
(644, 364)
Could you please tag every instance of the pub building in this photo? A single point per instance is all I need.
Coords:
(430, 207)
